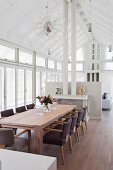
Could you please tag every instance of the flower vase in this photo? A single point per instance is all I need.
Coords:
(46, 107)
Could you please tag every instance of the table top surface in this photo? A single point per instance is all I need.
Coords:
(35, 117)
(74, 97)
(13, 160)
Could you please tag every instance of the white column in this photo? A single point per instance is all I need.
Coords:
(73, 47)
(16, 77)
(65, 49)
(34, 79)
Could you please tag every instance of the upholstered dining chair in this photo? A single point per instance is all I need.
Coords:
(20, 109)
(84, 117)
(7, 113)
(30, 106)
(79, 124)
(74, 117)
(59, 136)
(13, 142)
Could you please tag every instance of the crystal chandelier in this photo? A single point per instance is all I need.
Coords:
(48, 25)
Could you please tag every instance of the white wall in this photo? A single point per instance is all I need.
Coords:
(93, 90)
(107, 82)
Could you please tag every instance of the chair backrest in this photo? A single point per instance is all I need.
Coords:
(6, 137)
(20, 109)
(73, 123)
(7, 113)
(66, 128)
(80, 115)
(85, 111)
(30, 106)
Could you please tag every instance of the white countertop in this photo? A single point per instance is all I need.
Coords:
(13, 160)
(77, 97)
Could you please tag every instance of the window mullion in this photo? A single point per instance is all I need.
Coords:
(25, 87)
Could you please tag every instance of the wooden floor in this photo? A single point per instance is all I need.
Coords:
(93, 152)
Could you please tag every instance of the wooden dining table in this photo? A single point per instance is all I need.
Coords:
(36, 120)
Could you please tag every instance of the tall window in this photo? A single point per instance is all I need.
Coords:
(1, 88)
(108, 55)
(10, 87)
(107, 66)
(59, 66)
(79, 55)
(69, 66)
(40, 61)
(7, 53)
(38, 86)
(80, 77)
(79, 67)
(20, 87)
(51, 64)
(25, 57)
(28, 86)
(43, 81)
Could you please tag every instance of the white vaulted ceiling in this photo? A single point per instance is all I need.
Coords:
(17, 23)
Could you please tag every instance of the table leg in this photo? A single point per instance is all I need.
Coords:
(38, 139)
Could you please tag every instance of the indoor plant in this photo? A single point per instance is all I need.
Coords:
(45, 100)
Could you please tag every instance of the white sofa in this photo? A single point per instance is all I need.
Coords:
(106, 101)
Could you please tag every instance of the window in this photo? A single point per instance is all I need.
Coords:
(37, 83)
(28, 86)
(79, 55)
(38, 88)
(10, 87)
(59, 66)
(69, 66)
(79, 67)
(69, 76)
(80, 77)
(48, 77)
(25, 57)
(40, 61)
(60, 77)
(51, 77)
(108, 55)
(7, 53)
(43, 81)
(1, 88)
(108, 66)
(51, 64)
(20, 87)
(57, 77)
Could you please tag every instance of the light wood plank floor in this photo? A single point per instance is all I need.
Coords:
(93, 152)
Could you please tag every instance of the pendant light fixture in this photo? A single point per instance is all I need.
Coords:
(110, 41)
(90, 24)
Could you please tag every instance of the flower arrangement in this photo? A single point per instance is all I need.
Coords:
(45, 100)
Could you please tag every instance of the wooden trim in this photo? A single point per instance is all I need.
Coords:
(53, 130)
(24, 131)
(62, 153)
(2, 146)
